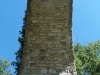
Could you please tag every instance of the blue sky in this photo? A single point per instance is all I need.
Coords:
(86, 24)
(86, 20)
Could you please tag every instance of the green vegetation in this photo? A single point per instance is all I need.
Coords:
(87, 59)
(18, 54)
(4, 65)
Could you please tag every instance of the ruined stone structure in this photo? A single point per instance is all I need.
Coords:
(48, 39)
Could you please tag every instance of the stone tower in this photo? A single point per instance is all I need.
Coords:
(48, 39)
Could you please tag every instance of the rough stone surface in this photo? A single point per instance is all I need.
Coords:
(48, 39)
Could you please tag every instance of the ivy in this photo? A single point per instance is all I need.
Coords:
(18, 54)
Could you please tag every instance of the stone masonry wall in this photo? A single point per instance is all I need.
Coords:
(48, 39)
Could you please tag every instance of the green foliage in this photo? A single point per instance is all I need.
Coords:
(18, 54)
(4, 65)
(87, 58)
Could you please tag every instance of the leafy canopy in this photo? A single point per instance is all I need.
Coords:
(87, 58)
(4, 67)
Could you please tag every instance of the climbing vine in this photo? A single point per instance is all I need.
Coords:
(18, 54)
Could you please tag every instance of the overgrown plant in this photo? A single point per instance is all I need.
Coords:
(18, 54)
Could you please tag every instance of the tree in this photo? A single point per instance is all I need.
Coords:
(4, 65)
(87, 59)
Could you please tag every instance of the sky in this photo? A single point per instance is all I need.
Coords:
(86, 24)
(86, 21)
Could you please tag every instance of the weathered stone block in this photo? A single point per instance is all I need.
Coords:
(41, 65)
(34, 71)
(59, 64)
(52, 58)
(43, 70)
(34, 21)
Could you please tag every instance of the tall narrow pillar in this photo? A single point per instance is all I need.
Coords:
(48, 39)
